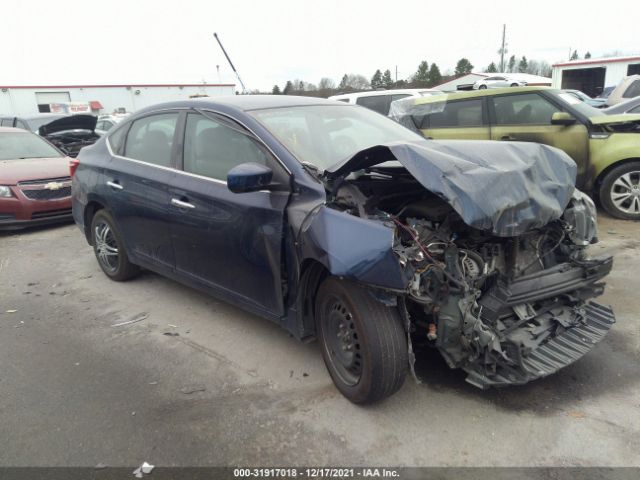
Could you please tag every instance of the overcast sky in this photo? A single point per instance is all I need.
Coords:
(271, 41)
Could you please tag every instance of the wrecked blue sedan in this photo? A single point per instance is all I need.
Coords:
(341, 225)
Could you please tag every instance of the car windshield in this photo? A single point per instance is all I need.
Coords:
(324, 135)
(18, 145)
(569, 98)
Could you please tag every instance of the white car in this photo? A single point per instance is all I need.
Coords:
(106, 122)
(380, 100)
(498, 81)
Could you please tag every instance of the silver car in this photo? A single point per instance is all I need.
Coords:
(498, 81)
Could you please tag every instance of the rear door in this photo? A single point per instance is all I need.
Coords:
(462, 119)
(230, 243)
(526, 117)
(138, 179)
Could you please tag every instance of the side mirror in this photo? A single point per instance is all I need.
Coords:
(562, 118)
(249, 177)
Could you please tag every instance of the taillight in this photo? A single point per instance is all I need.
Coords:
(73, 166)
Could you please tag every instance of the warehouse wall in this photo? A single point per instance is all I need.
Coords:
(22, 101)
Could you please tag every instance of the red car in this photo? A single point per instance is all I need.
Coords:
(35, 186)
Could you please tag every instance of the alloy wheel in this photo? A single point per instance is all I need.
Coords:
(625, 193)
(106, 246)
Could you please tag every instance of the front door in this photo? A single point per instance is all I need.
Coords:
(138, 181)
(527, 118)
(231, 243)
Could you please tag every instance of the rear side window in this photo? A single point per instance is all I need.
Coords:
(528, 109)
(465, 113)
(116, 140)
(212, 148)
(377, 103)
(635, 109)
(150, 139)
(7, 122)
(633, 90)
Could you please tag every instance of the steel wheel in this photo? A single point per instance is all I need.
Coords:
(106, 246)
(342, 343)
(625, 192)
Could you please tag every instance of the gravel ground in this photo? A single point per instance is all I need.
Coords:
(233, 389)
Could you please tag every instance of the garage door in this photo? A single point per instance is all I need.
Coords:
(43, 99)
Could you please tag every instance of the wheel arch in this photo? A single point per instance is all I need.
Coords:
(598, 181)
(312, 274)
(92, 207)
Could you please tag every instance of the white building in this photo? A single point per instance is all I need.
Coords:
(593, 74)
(26, 100)
(465, 82)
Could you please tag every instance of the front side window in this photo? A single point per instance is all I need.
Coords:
(464, 113)
(377, 103)
(527, 109)
(150, 139)
(212, 148)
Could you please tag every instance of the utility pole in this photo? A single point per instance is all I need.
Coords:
(396, 73)
(230, 63)
(503, 48)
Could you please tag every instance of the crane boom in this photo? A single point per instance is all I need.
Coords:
(230, 63)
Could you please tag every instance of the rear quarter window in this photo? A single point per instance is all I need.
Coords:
(116, 139)
(633, 90)
(377, 103)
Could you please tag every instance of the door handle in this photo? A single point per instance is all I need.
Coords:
(181, 204)
(507, 138)
(115, 185)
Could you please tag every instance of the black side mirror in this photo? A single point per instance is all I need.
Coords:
(249, 177)
(562, 118)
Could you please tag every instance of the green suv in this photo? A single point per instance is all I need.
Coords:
(606, 148)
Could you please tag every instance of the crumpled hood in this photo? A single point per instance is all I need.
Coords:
(506, 188)
(72, 122)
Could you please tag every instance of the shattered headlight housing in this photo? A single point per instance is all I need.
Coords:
(581, 216)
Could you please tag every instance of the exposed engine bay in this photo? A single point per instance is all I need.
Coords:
(72, 141)
(506, 309)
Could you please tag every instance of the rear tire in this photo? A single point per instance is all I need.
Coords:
(620, 191)
(514, 84)
(363, 342)
(109, 248)
(482, 87)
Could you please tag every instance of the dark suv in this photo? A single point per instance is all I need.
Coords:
(338, 223)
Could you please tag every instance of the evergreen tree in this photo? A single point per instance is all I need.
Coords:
(288, 88)
(463, 67)
(421, 77)
(276, 90)
(512, 64)
(376, 80)
(435, 77)
(522, 66)
(387, 81)
(492, 68)
(574, 55)
(344, 82)
(587, 55)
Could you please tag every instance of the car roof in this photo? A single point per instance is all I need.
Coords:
(245, 102)
(478, 93)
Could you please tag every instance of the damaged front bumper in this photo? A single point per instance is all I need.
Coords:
(528, 328)
(558, 352)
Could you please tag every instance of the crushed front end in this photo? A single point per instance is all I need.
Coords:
(502, 287)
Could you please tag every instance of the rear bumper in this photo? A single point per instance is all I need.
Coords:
(560, 351)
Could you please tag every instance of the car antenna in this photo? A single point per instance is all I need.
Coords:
(244, 89)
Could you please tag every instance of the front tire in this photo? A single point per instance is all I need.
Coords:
(109, 248)
(482, 87)
(514, 84)
(620, 191)
(363, 342)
